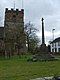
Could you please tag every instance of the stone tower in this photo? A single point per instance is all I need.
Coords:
(14, 36)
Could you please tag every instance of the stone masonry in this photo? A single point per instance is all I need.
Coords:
(14, 37)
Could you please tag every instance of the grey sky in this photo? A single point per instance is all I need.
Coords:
(34, 11)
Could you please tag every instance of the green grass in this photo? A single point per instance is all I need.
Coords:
(19, 69)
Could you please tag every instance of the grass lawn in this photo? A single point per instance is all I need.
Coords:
(19, 69)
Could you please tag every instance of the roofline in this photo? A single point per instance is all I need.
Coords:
(55, 40)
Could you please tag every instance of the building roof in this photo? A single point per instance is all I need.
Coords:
(56, 40)
(1, 32)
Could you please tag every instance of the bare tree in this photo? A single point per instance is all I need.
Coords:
(31, 37)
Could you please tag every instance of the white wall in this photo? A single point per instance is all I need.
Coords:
(55, 45)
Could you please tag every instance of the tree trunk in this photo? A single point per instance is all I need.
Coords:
(28, 43)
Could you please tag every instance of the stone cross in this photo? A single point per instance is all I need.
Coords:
(43, 40)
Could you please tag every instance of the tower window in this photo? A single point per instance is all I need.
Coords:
(14, 18)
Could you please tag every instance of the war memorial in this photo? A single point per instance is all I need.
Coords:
(43, 53)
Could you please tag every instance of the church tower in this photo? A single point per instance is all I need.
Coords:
(14, 36)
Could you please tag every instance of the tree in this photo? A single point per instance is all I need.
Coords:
(34, 43)
(32, 39)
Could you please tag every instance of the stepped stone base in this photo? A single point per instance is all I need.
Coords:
(42, 55)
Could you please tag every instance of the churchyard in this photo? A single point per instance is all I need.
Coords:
(18, 68)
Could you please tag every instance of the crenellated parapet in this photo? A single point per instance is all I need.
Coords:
(12, 14)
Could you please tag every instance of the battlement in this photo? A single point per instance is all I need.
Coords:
(13, 10)
(14, 15)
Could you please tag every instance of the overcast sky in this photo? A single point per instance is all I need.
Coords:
(34, 11)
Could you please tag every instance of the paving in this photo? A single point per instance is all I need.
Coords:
(48, 78)
(45, 78)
